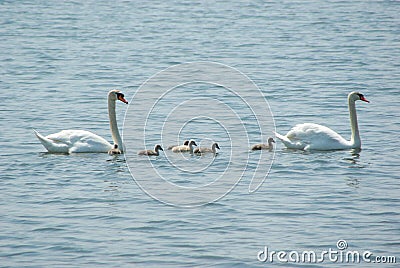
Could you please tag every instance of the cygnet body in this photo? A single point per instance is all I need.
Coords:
(186, 142)
(115, 150)
(202, 150)
(154, 152)
(263, 146)
(185, 148)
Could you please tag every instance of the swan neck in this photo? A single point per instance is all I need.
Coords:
(113, 124)
(355, 134)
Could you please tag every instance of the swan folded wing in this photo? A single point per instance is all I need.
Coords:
(316, 137)
(62, 137)
(80, 141)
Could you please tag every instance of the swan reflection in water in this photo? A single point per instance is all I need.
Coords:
(355, 156)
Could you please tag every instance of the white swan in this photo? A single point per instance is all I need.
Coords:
(185, 148)
(82, 141)
(202, 150)
(310, 136)
(155, 152)
(262, 146)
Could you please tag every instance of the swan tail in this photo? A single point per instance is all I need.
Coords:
(291, 144)
(49, 144)
(45, 142)
(282, 138)
(288, 143)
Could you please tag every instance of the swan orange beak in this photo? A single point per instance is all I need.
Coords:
(364, 99)
(121, 98)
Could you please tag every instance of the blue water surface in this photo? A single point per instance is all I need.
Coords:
(58, 59)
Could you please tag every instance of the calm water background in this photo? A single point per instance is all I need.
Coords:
(59, 59)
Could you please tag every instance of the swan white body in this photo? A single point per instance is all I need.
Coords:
(309, 136)
(82, 141)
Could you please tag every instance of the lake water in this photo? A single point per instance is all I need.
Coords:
(60, 58)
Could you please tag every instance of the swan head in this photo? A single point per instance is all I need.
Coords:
(158, 147)
(116, 94)
(354, 96)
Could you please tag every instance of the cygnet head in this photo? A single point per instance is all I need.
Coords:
(216, 145)
(192, 142)
(158, 147)
(114, 150)
(271, 140)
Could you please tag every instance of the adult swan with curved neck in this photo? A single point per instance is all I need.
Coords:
(82, 141)
(310, 136)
